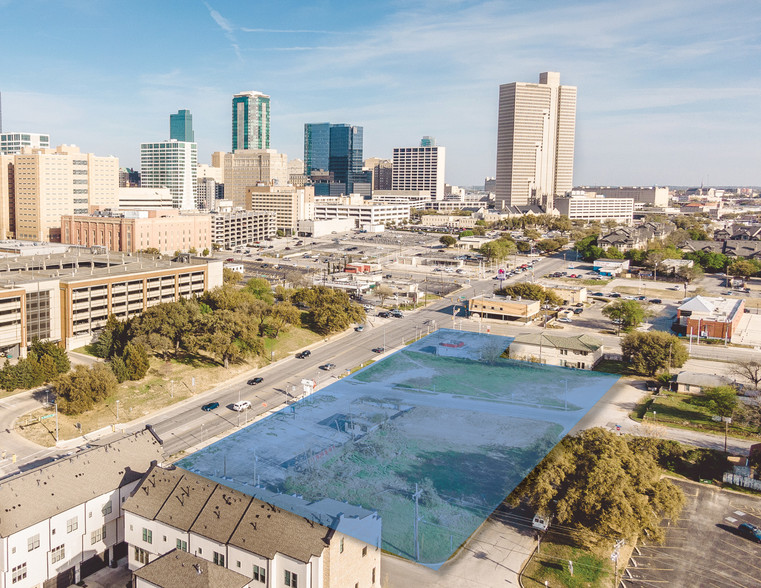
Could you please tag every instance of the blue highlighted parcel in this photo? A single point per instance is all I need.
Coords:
(413, 452)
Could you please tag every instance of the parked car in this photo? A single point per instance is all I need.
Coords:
(614, 295)
(254, 381)
(211, 406)
(564, 319)
(656, 301)
(359, 328)
(598, 294)
(396, 314)
(242, 405)
(578, 310)
(328, 366)
(383, 314)
(752, 532)
(304, 354)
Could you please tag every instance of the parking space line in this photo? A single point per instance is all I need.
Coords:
(739, 513)
(730, 519)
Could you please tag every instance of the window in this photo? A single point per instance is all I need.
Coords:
(219, 559)
(364, 551)
(373, 578)
(57, 554)
(147, 535)
(182, 545)
(141, 556)
(341, 546)
(18, 573)
(291, 579)
(107, 508)
(33, 542)
(200, 551)
(260, 574)
(98, 535)
(72, 525)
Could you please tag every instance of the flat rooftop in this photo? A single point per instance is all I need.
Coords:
(447, 416)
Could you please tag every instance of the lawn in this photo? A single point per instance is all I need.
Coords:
(167, 383)
(551, 565)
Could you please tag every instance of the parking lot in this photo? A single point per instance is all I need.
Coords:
(704, 547)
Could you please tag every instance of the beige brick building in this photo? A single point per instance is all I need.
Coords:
(136, 230)
(251, 167)
(289, 203)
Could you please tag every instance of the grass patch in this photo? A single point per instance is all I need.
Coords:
(612, 366)
(85, 350)
(590, 570)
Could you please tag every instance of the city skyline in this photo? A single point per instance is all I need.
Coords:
(668, 93)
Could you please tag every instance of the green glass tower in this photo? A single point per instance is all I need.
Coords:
(251, 121)
(181, 126)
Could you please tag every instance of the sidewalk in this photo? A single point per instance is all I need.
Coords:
(109, 577)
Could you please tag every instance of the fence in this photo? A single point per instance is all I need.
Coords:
(744, 481)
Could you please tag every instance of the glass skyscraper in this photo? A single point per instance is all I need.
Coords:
(336, 148)
(251, 121)
(181, 126)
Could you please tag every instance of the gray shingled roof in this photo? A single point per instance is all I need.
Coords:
(179, 569)
(44, 492)
(573, 342)
(191, 502)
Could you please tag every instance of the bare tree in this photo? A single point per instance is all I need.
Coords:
(749, 369)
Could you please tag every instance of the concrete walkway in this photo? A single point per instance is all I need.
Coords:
(109, 577)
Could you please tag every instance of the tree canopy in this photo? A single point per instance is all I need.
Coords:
(648, 353)
(627, 314)
(531, 292)
(448, 240)
(598, 485)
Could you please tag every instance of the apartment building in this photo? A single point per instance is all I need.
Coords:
(290, 204)
(419, 168)
(57, 529)
(242, 227)
(68, 296)
(136, 230)
(175, 509)
(171, 164)
(253, 167)
(584, 206)
(576, 351)
(50, 183)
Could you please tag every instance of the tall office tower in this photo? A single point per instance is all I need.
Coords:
(316, 147)
(7, 196)
(428, 141)
(11, 143)
(171, 164)
(50, 183)
(181, 126)
(251, 121)
(419, 168)
(535, 138)
(251, 167)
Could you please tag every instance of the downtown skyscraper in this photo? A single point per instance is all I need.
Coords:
(181, 126)
(251, 121)
(535, 141)
(335, 148)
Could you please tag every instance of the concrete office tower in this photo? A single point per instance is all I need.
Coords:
(50, 183)
(171, 164)
(250, 167)
(535, 139)
(381, 170)
(181, 126)
(11, 143)
(419, 168)
(290, 204)
(251, 121)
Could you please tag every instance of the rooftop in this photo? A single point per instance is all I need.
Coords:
(717, 309)
(572, 342)
(179, 569)
(41, 493)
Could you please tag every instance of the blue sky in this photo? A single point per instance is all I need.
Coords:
(669, 91)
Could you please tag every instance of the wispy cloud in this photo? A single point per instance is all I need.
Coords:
(297, 31)
(227, 27)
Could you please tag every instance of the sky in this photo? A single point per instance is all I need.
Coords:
(669, 91)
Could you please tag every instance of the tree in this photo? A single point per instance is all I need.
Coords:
(230, 276)
(79, 390)
(749, 369)
(531, 292)
(332, 310)
(58, 355)
(260, 289)
(690, 274)
(743, 268)
(627, 314)
(448, 241)
(614, 252)
(648, 353)
(136, 361)
(205, 252)
(600, 487)
(152, 251)
(193, 251)
(498, 249)
(282, 316)
(280, 233)
(521, 246)
(722, 401)
(119, 369)
(383, 292)
(216, 246)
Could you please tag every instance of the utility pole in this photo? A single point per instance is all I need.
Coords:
(416, 496)
(56, 422)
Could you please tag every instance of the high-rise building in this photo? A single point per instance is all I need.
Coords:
(11, 143)
(535, 136)
(251, 167)
(251, 121)
(50, 183)
(7, 196)
(336, 148)
(171, 164)
(419, 168)
(290, 204)
(129, 178)
(181, 126)
(428, 141)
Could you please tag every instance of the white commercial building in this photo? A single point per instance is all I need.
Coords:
(362, 214)
(653, 196)
(11, 143)
(174, 165)
(142, 198)
(582, 206)
(535, 141)
(419, 168)
(415, 198)
(321, 228)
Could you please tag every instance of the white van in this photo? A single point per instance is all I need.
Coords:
(242, 405)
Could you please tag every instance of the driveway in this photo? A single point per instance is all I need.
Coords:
(703, 547)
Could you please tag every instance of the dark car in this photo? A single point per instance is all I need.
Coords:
(752, 532)
(254, 381)
(383, 314)
(211, 406)
(614, 295)
(656, 301)
(578, 310)
(379, 350)
(328, 366)
(598, 294)
(230, 259)
(304, 354)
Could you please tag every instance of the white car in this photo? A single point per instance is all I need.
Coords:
(242, 405)
(564, 319)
